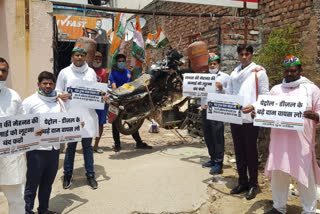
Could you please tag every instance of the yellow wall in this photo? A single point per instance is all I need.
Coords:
(28, 51)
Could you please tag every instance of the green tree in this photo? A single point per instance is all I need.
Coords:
(281, 43)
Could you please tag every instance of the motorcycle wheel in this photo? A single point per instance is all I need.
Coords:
(125, 127)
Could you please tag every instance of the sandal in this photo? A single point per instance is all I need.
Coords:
(98, 150)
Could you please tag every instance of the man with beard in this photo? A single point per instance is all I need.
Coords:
(13, 167)
(42, 163)
(79, 70)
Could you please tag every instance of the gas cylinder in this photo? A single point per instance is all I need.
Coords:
(198, 55)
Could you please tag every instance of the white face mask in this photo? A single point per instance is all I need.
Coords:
(96, 65)
(213, 71)
(2, 84)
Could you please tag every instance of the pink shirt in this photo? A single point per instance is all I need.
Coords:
(293, 151)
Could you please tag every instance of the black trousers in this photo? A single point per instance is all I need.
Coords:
(42, 167)
(213, 132)
(116, 135)
(245, 146)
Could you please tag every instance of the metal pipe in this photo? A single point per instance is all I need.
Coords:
(134, 11)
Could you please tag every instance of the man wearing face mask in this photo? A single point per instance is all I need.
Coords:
(12, 167)
(214, 130)
(79, 70)
(119, 76)
(102, 77)
(42, 163)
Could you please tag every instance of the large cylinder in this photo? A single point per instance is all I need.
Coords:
(198, 55)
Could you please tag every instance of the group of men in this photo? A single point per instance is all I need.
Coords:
(291, 152)
(20, 180)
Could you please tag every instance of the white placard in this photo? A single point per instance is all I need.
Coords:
(198, 85)
(283, 112)
(225, 108)
(60, 128)
(87, 94)
(17, 133)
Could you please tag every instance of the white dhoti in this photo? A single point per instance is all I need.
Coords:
(280, 185)
(14, 195)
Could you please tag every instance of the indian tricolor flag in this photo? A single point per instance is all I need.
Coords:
(137, 50)
(157, 41)
(118, 35)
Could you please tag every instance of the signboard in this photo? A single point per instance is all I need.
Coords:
(17, 133)
(87, 94)
(60, 128)
(225, 108)
(70, 28)
(198, 85)
(252, 4)
(283, 112)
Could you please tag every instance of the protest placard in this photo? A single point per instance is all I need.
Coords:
(17, 133)
(283, 112)
(225, 108)
(198, 85)
(87, 94)
(60, 128)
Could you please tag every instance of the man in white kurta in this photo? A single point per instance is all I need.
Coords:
(291, 152)
(248, 80)
(13, 167)
(79, 70)
(42, 163)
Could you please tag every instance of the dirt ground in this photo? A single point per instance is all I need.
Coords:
(167, 179)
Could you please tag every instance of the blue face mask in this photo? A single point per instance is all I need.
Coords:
(121, 65)
(52, 94)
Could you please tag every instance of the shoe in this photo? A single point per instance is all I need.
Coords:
(92, 182)
(98, 150)
(253, 191)
(47, 212)
(143, 146)
(239, 189)
(208, 164)
(216, 169)
(67, 181)
(273, 211)
(117, 148)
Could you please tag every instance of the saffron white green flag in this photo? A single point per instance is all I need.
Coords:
(157, 41)
(137, 50)
(120, 25)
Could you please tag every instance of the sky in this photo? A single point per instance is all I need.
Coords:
(133, 4)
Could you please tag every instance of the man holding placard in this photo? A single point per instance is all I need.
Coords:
(12, 167)
(214, 130)
(247, 80)
(292, 152)
(42, 163)
(79, 70)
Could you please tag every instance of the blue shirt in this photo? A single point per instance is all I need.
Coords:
(120, 77)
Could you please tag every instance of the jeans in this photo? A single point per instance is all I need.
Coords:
(213, 132)
(42, 167)
(116, 135)
(87, 154)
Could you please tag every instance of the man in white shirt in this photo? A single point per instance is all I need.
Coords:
(13, 167)
(248, 80)
(213, 131)
(42, 163)
(79, 70)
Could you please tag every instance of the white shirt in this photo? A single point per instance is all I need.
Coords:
(37, 103)
(243, 83)
(12, 167)
(224, 79)
(89, 116)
